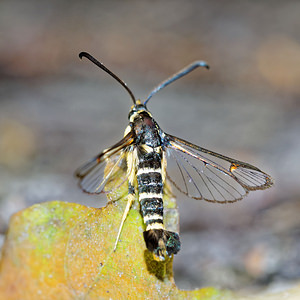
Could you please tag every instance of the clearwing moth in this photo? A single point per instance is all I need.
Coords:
(144, 154)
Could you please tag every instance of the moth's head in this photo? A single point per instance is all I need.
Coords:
(137, 109)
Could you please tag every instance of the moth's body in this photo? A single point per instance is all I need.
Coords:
(149, 171)
(201, 174)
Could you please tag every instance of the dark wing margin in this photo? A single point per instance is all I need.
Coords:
(95, 175)
(204, 174)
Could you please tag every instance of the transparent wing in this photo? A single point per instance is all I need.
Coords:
(108, 170)
(204, 174)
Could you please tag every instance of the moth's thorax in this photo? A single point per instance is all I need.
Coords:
(147, 131)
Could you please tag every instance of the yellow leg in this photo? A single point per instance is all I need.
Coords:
(131, 158)
(129, 203)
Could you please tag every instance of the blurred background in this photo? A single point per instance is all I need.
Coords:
(57, 112)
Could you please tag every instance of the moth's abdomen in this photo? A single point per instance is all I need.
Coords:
(150, 184)
(151, 197)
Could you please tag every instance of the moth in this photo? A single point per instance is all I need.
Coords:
(146, 154)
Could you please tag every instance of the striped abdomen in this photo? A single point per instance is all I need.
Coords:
(150, 185)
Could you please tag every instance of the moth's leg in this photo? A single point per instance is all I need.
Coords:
(131, 197)
(163, 167)
(131, 157)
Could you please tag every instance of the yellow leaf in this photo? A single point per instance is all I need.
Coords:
(59, 250)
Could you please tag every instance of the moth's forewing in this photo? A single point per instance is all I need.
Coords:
(95, 175)
(203, 174)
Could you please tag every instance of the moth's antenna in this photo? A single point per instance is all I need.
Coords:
(101, 65)
(176, 76)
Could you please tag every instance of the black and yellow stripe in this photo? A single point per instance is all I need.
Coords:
(150, 170)
(150, 187)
